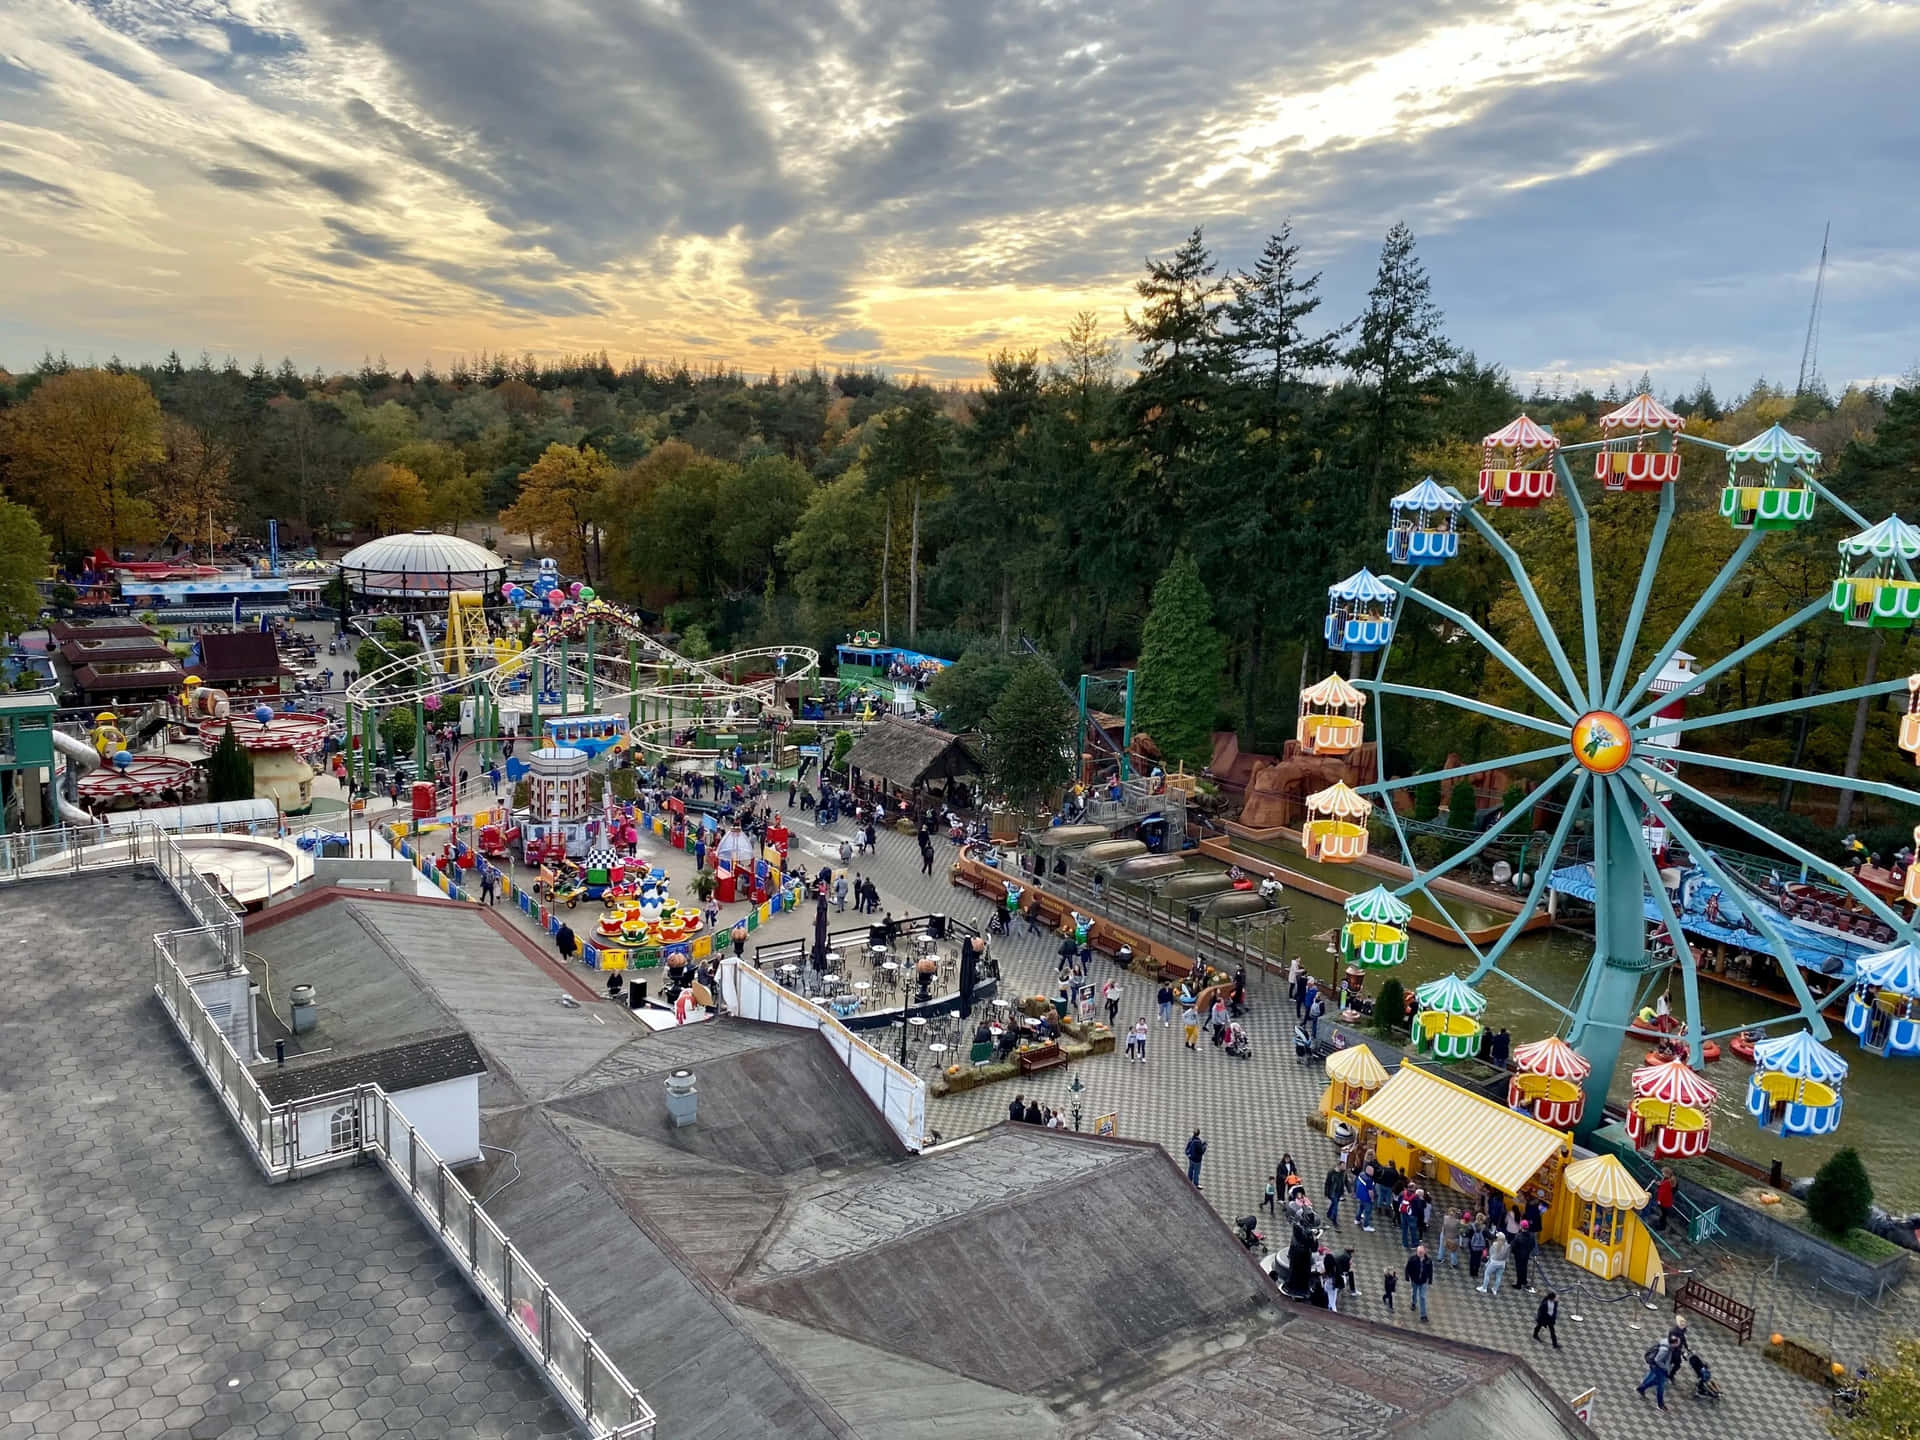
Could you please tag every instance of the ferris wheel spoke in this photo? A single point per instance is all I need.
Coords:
(1492, 646)
(1742, 552)
(1524, 582)
(1895, 793)
(1810, 1009)
(1583, 550)
(1478, 707)
(1542, 877)
(1642, 592)
(1690, 969)
(1782, 707)
(1455, 772)
(1500, 827)
(1880, 909)
(1715, 671)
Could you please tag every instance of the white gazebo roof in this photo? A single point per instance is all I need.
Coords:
(421, 562)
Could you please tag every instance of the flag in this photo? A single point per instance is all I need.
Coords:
(236, 612)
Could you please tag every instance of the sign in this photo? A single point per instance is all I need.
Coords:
(1109, 1125)
(1582, 1405)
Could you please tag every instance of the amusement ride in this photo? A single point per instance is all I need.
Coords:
(1615, 736)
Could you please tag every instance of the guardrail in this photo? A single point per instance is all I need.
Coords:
(325, 1132)
(900, 1094)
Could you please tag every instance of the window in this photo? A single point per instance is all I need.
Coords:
(343, 1128)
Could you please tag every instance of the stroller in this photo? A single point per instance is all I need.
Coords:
(1237, 1044)
(1247, 1227)
(1705, 1387)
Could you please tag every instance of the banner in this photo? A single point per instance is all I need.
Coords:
(1582, 1405)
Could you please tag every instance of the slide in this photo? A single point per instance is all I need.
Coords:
(81, 758)
(434, 667)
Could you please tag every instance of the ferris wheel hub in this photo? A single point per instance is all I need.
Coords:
(1601, 742)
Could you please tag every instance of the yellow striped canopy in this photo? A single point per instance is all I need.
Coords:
(1356, 1067)
(1469, 1132)
(1603, 1180)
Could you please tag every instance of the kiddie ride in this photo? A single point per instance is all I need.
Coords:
(648, 919)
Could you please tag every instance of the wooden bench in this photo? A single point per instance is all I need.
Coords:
(1720, 1308)
(1041, 1057)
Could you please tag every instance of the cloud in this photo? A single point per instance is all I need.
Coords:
(852, 342)
(1593, 184)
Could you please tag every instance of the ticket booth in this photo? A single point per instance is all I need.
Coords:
(1605, 1234)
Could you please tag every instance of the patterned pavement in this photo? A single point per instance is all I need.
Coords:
(1252, 1110)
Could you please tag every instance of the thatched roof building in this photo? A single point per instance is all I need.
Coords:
(907, 756)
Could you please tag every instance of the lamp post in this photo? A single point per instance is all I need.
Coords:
(1075, 1090)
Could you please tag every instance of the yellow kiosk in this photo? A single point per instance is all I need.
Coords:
(1354, 1074)
(1446, 1135)
(1606, 1235)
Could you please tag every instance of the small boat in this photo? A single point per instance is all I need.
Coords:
(1149, 867)
(1709, 1052)
(1105, 852)
(1658, 1028)
(1742, 1045)
(1190, 887)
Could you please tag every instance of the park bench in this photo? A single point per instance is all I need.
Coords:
(1041, 1057)
(1720, 1308)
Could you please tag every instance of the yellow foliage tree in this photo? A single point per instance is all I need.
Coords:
(560, 502)
(386, 498)
(190, 490)
(81, 445)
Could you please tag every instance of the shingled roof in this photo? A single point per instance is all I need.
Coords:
(404, 1065)
(906, 755)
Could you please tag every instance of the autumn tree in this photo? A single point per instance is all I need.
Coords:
(560, 502)
(192, 491)
(23, 562)
(453, 495)
(81, 447)
(386, 498)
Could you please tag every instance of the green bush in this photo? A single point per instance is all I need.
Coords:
(1841, 1193)
(229, 769)
(625, 785)
(1390, 1008)
(1426, 800)
(522, 795)
(1512, 797)
(1462, 806)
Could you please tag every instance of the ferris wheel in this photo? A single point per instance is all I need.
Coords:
(1615, 736)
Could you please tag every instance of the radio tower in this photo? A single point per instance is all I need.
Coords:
(1810, 352)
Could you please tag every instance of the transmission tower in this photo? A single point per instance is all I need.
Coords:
(1810, 352)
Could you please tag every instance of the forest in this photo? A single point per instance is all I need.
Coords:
(1241, 461)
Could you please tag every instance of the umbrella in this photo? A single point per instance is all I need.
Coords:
(819, 956)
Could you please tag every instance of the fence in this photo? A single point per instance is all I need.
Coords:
(358, 1123)
(900, 1094)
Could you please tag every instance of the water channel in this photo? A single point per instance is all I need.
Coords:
(1882, 1096)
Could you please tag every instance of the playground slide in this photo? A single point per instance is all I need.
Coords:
(81, 758)
(426, 643)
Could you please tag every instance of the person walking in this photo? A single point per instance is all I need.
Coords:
(1663, 1197)
(1364, 1187)
(1660, 1364)
(1409, 1222)
(487, 873)
(840, 892)
(1110, 992)
(1476, 1247)
(1450, 1245)
(1419, 1274)
(1523, 1248)
(1546, 1317)
(1296, 985)
(1196, 1152)
(1269, 1202)
(926, 858)
(1334, 1188)
(1165, 999)
(1316, 1006)
(1497, 1253)
(1217, 1018)
(1190, 1018)
(1140, 1038)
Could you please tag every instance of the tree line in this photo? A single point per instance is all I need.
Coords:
(1244, 465)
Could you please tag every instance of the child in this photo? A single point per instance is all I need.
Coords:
(1387, 1281)
(1269, 1200)
(1190, 1018)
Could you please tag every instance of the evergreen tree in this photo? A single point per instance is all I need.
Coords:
(967, 690)
(1463, 806)
(1841, 1194)
(1030, 736)
(229, 770)
(1268, 342)
(1181, 656)
(1173, 406)
(1401, 356)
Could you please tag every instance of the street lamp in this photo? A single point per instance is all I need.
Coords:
(1075, 1090)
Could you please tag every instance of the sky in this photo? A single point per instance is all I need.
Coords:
(1598, 187)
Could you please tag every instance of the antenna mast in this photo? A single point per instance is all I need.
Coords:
(1810, 352)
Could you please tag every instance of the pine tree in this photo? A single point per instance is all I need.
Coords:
(1174, 405)
(229, 770)
(1269, 345)
(1030, 736)
(1401, 356)
(1463, 806)
(1181, 656)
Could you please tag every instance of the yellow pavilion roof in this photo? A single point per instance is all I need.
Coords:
(1603, 1180)
(1495, 1145)
(1356, 1066)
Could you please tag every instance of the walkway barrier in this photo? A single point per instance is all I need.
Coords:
(900, 1094)
(359, 1123)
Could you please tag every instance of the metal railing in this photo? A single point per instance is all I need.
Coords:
(324, 1132)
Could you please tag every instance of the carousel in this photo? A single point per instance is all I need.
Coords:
(1446, 1024)
(138, 782)
(1795, 1089)
(1671, 1110)
(282, 745)
(642, 915)
(1546, 1082)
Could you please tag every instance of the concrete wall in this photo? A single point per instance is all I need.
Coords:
(1749, 1225)
(446, 1115)
(393, 876)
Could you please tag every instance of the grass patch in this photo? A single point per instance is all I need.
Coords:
(1863, 1244)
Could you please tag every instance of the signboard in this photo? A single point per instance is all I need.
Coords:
(1583, 1406)
(1109, 1125)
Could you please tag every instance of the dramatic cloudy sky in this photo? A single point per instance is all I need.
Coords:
(1599, 186)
